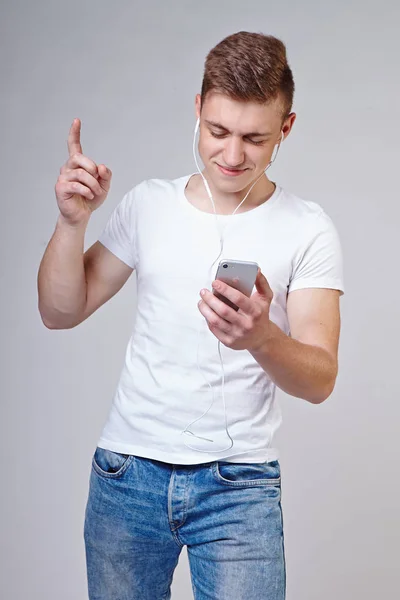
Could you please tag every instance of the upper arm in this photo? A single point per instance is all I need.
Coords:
(314, 317)
(105, 276)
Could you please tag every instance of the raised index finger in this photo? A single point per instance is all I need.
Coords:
(74, 137)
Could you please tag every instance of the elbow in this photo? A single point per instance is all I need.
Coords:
(57, 324)
(319, 399)
(324, 393)
(47, 324)
(325, 389)
(52, 326)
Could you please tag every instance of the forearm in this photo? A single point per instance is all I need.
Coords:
(61, 276)
(299, 369)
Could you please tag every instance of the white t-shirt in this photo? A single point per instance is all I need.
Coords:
(172, 245)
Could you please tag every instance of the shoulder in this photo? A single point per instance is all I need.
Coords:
(299, 207)
(149, 191)
(304, 213)
(157, 186)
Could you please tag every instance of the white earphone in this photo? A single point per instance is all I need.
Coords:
(187, 430)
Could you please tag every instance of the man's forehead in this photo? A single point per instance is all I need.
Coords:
(242, 117)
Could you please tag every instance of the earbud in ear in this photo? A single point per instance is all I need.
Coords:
(282, 137)
(197, 125)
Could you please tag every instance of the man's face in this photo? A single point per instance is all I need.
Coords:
(237, 139)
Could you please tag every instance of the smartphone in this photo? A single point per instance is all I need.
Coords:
(239, 274)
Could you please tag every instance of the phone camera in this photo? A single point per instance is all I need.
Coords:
(225, 266)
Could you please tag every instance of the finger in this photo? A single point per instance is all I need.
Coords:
(220, 307)
(263, 286)
(80, 160)
(212, 318)
(74, 138)
(224, 338)
(105, 175)
(74, 187)
(243, 302)
(86, 178)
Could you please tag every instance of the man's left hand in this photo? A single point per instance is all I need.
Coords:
(245, 329)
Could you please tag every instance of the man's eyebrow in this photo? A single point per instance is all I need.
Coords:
(252, 134)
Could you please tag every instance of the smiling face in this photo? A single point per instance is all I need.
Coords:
(237, 139)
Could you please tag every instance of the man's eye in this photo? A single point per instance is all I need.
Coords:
(256, 143)
(222, 135)
(218, 135)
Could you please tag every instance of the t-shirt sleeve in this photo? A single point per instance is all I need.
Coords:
(319, 263)
(118, 234)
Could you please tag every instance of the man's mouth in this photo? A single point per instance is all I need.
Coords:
(231, 172)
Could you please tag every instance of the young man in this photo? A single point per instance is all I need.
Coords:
(156, 484)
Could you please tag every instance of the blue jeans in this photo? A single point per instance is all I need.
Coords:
(141, 512)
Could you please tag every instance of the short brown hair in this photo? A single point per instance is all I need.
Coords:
(249, 67)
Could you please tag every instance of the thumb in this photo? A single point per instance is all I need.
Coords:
(104, 178)
(262, 285)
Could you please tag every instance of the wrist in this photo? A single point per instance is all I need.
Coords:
(265, 343)
(65, 224)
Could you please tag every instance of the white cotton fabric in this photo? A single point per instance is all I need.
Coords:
(171, 245)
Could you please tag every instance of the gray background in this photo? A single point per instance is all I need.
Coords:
(130, 71)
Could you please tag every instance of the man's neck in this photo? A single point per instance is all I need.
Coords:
(226, 203)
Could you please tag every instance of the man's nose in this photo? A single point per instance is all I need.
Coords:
(233, 153)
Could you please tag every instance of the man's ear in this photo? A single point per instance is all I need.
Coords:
(198, 105)
(288, 124)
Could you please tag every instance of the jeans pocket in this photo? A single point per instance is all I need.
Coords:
(248, 474)
(108, 463)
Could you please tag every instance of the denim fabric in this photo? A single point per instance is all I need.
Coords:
(141, 512)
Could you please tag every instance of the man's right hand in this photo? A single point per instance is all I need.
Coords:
(82, 186)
